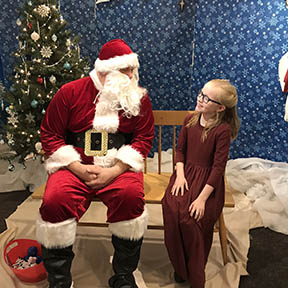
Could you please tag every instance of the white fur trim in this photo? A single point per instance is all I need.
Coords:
(127, 154)
(108, 122)
(56, 235)
(130, 229)
(108, 160)
(116, 63)
(95, 79)
(61, 158)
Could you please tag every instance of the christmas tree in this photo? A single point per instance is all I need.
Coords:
(48, 57)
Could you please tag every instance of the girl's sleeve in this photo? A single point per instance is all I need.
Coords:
(182, 142)
(220, 156)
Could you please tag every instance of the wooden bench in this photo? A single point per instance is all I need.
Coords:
(156, 183)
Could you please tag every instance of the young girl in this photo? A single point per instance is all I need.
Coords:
(194, 197)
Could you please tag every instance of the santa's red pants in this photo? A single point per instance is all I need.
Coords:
(66, 197)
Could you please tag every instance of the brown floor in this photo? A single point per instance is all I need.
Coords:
(268, 254)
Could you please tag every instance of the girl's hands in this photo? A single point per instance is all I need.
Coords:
(197, 209)
(179, 185)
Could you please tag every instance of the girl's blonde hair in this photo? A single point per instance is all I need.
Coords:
(226, 94)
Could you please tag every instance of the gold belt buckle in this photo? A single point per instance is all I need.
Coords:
(88, 140)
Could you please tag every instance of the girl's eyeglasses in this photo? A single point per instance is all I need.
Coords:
(202, 97)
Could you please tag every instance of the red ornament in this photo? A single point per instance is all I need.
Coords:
(29, 25)
(40, 80)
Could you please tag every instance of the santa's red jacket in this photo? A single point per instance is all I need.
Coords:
(74, 109)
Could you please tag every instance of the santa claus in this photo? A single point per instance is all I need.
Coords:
(96, 134)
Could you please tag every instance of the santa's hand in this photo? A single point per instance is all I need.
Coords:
(103, 177)
(81, 171)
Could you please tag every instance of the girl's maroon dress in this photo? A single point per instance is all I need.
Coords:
(188, 242)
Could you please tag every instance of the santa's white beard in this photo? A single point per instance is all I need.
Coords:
(120, 93)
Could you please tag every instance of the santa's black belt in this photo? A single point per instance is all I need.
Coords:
(97, 143)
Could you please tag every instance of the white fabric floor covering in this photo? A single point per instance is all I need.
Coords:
(32, 176)
(93, 249)
(265, 183)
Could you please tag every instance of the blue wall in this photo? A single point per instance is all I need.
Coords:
(238, 40)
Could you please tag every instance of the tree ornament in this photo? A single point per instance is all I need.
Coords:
(68, 42)
(34, 103)
(25, 82)
(18, 22)
(35, 36)
(11, 167)
(43, 10)
(87, 68)
(13, 119)
(29, 3)
(67, 66)
(29, 25)
(46, 52)
(30, 118)
(52, 79)
(40, 80)
(181, 5)
(38, 147)
(54, 38)
(43, 111)
(11, 142)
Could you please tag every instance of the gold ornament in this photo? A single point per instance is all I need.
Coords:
(35, 36)
(43, 10)
(46, 52)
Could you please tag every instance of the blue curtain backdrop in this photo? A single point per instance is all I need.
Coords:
(238, 40)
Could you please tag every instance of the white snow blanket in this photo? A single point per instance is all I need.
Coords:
(265, 183)
(31, 176)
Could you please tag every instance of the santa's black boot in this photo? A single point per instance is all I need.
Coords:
(58, 264)
(125, 261)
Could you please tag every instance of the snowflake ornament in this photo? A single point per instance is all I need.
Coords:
(30, 117)
(46, 52)
(43, 10)
(13, 119)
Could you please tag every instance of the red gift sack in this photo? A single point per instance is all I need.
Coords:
(18, 248)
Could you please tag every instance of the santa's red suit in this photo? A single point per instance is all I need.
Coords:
(77, 108)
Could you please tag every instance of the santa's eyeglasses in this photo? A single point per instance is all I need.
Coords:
(203, 97)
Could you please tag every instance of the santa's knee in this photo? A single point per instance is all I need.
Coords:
(132, 199)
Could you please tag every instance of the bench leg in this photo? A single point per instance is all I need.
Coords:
(223, 238)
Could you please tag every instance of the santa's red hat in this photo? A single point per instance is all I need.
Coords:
(115, 55)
